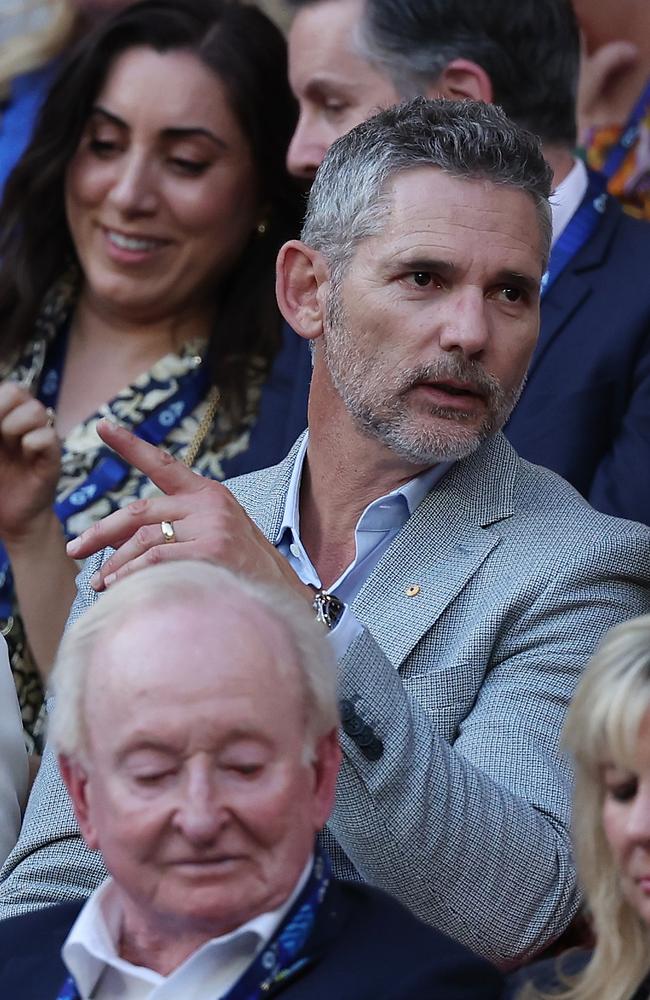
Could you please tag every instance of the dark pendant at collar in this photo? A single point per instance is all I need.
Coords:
(328, 608)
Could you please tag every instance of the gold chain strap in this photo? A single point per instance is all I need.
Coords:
(203, 429)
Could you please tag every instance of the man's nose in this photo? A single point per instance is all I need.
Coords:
(201, 813)
(464, 324)
(306, 149)
(135, 188)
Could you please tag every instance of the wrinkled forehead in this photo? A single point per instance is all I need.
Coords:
(235, 624)
(186, 652)
(425, 198)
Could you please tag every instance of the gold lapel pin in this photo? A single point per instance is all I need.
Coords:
(412, 590)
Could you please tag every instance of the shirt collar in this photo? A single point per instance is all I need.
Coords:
(395, 507)
(567, 197)
(291, 516)
(92, 941)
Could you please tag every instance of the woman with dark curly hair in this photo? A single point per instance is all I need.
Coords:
(138, 239)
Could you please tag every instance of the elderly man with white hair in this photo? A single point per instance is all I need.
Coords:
(196, 727)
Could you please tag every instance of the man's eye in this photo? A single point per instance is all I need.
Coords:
(334, 104)
(421, 278)
(152, 777)
(511, 294)
(243, 769)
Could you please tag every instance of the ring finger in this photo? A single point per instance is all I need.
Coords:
(146, 538)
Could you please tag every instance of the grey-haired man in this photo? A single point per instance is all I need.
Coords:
(463, 587)
(585, 410)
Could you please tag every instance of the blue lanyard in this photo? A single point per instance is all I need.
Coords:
(109, 471)
(281, 956)
(628, 136)
(582, 226)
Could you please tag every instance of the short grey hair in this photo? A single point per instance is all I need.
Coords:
(467, 139)
(172, 584)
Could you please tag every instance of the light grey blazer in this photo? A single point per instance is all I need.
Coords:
(465, 815)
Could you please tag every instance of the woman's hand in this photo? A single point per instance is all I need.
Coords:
(30, 461)
(208, 523)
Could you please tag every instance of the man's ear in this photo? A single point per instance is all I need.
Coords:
(76, 781)
(462, 80)
(326, 764)
(301, 279)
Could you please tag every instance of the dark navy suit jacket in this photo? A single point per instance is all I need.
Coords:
(550, 976)
(585, 411)
(364, 946)
(282, 414)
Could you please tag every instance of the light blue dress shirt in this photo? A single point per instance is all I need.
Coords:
(379, 524)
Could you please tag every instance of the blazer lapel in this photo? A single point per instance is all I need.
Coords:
(263, 494)
(575, 284)
(439, 549)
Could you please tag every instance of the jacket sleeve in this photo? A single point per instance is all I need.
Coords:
(621, 484)
(13, 758)
(470, 828)
(51, 863)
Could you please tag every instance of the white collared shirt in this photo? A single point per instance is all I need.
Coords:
(90, 953)
(379, 524)
(567, 197)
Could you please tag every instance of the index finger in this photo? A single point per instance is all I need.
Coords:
(165, 472)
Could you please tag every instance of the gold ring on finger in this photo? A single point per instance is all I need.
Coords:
(168, 533)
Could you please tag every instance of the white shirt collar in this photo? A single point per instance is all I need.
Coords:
(91, 944)
(567, 197)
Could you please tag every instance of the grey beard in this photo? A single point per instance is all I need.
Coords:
(378, 400)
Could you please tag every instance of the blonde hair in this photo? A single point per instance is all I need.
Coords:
(602, 725)
(26, 52)
(171, 585)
